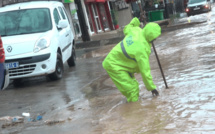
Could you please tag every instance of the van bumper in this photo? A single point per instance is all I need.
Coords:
(33, 66)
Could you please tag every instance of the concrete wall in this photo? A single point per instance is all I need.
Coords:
(123, 12)
(124, 16)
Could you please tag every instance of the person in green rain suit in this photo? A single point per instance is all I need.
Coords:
(132, 56)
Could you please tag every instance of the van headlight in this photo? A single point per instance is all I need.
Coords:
(41, 44)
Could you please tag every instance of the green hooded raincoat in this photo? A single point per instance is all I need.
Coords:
(132, 56)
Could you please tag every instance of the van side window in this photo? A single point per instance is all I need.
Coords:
(56, 16)
(66, 14)
(62, 13)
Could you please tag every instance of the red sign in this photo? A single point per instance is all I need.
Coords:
(100, 0)
(95, 1)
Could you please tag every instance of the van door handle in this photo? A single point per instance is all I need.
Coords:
(67, 35)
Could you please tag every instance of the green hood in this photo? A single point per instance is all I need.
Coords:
(151, 31)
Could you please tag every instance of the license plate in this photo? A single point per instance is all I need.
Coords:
(197, 8)
(12, 65)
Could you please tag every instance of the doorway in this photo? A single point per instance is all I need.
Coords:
(96, 18)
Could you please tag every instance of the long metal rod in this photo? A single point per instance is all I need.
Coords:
(159, 65)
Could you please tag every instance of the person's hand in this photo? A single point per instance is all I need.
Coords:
(155, 92)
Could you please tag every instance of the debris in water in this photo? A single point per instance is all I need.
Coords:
(52, 122)
(39, 117)
(11, 121)
(6, 118)
(69, 118)
(26, 114)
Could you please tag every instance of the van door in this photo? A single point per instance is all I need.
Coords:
(67, 49)
(62, 33)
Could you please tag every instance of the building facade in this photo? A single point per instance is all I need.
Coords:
(99, 17)
(106, 15)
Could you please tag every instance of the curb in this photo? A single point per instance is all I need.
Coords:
(180, 26)
(98, 43)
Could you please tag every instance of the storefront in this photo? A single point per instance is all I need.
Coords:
(99, 16)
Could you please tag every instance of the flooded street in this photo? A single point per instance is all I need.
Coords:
(86, 101)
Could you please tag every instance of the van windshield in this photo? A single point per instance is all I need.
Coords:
(195, 1)
(25, 21)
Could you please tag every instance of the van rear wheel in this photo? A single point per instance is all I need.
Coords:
(72, 59)
(18, 82)
(58, 69)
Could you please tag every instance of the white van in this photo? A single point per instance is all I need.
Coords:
(37, 38)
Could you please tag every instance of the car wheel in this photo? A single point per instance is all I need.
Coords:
(18, 82)
(72, 59)
(58, 69)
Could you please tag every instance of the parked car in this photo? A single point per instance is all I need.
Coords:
(38, 39)
(4, 75)
(198, 6)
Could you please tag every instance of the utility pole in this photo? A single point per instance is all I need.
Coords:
(84, 28)
(166, 10)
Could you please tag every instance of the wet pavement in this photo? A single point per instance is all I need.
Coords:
(86, 101)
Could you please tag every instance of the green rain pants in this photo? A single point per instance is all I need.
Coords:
(126, 83)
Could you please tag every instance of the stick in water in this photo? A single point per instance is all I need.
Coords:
(159, 65)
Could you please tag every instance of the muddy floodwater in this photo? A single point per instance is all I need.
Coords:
(86, 101)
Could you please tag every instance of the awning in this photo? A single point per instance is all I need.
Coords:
(88, 1)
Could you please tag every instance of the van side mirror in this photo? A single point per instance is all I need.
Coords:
(62, 24)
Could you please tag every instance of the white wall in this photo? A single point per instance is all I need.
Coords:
(86, 17)
(124, 12)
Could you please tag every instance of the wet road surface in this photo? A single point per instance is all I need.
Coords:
(86, 101)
